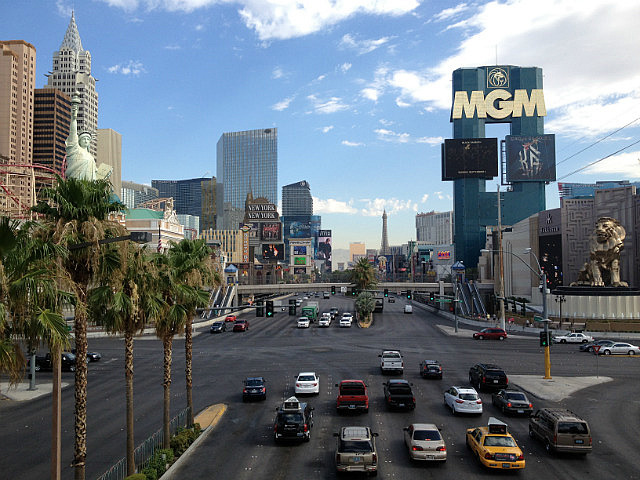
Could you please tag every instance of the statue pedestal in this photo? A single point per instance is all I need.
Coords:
(593, 304)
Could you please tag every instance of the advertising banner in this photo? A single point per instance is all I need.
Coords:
(299, 270)
(470, 158)
(271, 231)
(531, 158)
(298, 226)
(299, 260)
(324, 247)
(299, 249)
(273, 251)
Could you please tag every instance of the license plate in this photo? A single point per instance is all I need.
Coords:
(401, 405)
(429, 457)
(520, 411)
(579, 442)
(506, 465)
(254, 391)
(356, 459)
(495, 381)
(352, 406)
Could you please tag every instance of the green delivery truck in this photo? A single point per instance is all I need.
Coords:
(310, 310)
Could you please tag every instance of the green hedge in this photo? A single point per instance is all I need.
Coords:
(158, 464)
(137, 476)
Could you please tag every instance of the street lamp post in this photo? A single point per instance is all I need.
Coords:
(458, 266)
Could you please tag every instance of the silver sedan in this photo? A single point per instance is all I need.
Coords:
(620, 348)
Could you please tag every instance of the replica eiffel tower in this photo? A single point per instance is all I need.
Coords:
(384, 247)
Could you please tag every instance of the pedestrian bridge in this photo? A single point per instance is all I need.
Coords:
(393, 287)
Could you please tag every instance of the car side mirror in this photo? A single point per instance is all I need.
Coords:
(336, 434)
(379, 355)
(406, 429)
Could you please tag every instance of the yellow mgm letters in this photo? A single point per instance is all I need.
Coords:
(486, 106)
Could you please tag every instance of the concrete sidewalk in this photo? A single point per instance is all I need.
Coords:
(21, 392)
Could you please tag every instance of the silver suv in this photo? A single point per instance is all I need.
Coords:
(356, 450)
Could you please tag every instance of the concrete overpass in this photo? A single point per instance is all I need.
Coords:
(393, 287)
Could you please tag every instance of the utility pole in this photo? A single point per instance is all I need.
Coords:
(547, 351)
(500, 262)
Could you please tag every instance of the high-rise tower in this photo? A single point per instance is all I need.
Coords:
(296, 199)
(247, 162)
(384, 247)
(71, 72)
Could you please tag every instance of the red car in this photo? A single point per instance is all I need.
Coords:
(241, 326)
(230, 318)
(490, 333)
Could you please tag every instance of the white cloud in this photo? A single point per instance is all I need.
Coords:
(283, 104)
(345, 67)
(277, 73)
(376, 207)
(625, 165)
(386, 123)
(64, 9)
(320, 78)
(362, 46)
(332, 105)
(352, 144)
(327, 129)
(450, 12)
(391, 136)
(433, 141)
(199, 27)
(132, 67)
(331, 205)
(172, 47)
(424, 198)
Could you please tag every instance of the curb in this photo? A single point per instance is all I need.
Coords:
(220, 409)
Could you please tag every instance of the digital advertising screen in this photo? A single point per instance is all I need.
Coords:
(531, 158)
(271, 231)
(273, 251)
(470, 158)
(324, 247)
(299, 249)
(298, 226)
(299, 260)
(299, 270)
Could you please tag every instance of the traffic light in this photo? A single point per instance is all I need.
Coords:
(292, 306)
(432, 296)
(260, 308)
(269, 308)
(333, 289)
(409, 294)
(386, 292)
(545, 339)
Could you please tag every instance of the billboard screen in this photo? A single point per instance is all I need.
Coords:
(271, 231)
(273, 251)
(299, 270)
(531, 158)
(324, 247)
(470, 158)
(299, 249)
(299, 260)
(298, 226)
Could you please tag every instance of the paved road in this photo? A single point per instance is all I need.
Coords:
(242, 445)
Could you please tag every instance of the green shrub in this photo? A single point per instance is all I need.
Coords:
(149, 473)
(180, 443)
(168, 453)
(139, 476)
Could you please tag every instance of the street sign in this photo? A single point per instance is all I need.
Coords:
(596, 349)
(537, 318)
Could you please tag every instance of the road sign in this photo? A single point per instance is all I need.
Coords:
(596, 349)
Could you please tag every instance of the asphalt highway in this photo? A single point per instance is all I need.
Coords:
(242, 446)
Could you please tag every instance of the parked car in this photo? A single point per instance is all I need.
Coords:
(254, 387)
(561, 430)
(356, 450)
(494, 447)
(424, 442)
(303, 322)
(490, 333)
(218, 327)
(487, 375)
(619, 348)
(44, 362)
(91, 356)
(391, 362)
(241, 326)
(463, 400)
(408, 309)
(294, 420)
(430, 369)
(307, 382)
(398, 394)
(588, 347)
(230, 318)
(512, 401)
(352, 396)
(573, 338)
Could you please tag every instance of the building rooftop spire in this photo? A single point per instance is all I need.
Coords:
(71, 38)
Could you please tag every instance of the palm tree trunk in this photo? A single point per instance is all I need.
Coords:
(56, 444)
(128, 374)
(188, 352)
(80, 448)
(166, 419)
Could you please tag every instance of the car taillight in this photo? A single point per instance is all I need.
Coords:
(555, 439)
(315, 384)
(416, 448)
(297, 385)
(488, 456)
(414, 399)
(459, 401)
(374, 457)
(531, 405)
(441, 449)
(521, 457)
(306, 427)
(509, 404)
(275, 428)
(264, 389)
(245, 391)
(484, 379)
(506, 381)
(590, 441)
(479, 402)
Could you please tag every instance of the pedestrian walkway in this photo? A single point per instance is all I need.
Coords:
(21, 392)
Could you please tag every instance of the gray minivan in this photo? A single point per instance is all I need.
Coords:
(561, 430)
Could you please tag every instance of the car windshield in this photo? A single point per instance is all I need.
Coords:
(306, 378)
(468, 396)
(391, 355)
(355, 446)
(572, 427)
(516, 396)
(426, 435)
(494, 441)
(218, 324)
(254, 382)
(291, 417)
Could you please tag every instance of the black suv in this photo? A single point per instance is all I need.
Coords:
(486, 375)
(294, 420)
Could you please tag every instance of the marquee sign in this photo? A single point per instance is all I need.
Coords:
(498, 104)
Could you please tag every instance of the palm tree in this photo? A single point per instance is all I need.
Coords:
(365, 304)
(77, 219)
(169, 323)
(192, 268)
(363, 275)
(125, 302)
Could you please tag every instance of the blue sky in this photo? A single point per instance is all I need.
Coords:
(360, 90)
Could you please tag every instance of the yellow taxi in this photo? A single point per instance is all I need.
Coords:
(494, 446)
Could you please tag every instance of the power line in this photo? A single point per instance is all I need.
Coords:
(597, 161)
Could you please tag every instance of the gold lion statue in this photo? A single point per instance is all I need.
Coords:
(603, 267)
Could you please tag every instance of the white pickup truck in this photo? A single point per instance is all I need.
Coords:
(391, 362)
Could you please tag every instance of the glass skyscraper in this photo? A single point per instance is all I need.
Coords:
(187, 194)
(296, 199)
(247, 162)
